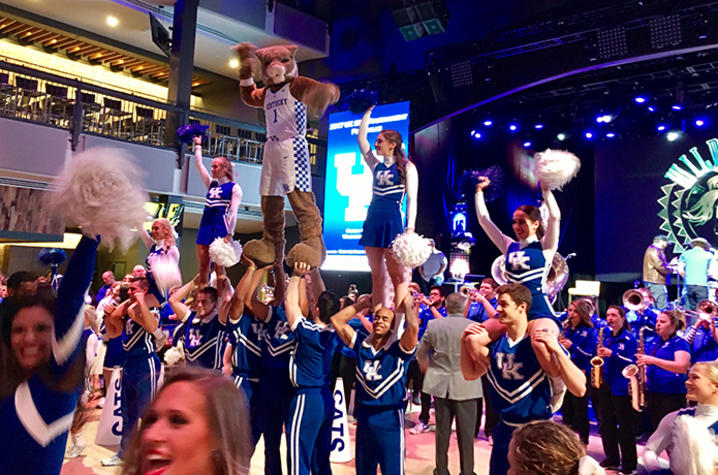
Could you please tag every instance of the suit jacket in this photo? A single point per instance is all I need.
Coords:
(441, 343)
(654, 266)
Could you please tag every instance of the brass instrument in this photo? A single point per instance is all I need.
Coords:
(705, 310)
(597, 364)
(634, 300)
(465, 290)
(637, 377)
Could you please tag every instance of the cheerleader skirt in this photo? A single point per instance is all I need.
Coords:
(382, 225)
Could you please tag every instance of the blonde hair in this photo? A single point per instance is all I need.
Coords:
(228, 167)
(168, 228)
(542, 447)
(710, 368)
(227, 418)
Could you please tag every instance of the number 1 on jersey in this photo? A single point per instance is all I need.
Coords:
(275, 116)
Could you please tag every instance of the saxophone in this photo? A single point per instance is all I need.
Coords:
(597, 364)
(637, 377)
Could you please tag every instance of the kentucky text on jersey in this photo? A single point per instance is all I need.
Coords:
(276, 103)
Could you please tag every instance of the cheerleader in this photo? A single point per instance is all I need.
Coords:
(393, 176)
(667, 360)
(579, 338)
(381, 384)
(689, 435)
(617, 424)
(41, 368)
(163, 256)
(528, 261)
(220, 209)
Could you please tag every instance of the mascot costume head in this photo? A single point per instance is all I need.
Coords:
(287, 99)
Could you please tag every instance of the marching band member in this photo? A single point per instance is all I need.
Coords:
(667, 360)
(702, 338)
(617, 424)
(579, 338)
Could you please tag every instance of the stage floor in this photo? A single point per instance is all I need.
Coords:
(419, 453)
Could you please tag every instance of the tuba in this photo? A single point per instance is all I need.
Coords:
(556, 280)
(597, 364)
(634, 300)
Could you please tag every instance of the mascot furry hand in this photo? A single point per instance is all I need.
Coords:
(287, 99)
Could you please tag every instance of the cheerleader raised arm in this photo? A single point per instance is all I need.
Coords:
(393, 176)
(220, 208)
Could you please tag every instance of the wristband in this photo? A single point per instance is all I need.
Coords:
(246, 82)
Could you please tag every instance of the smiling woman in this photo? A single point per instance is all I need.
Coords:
(197, 424)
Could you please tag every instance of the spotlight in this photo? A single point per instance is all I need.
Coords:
(472, 133)
(527, 144)
(561, 137)
(673, 135)
(112, 21)
(234, 63)
(604, 119)
(488, 123)
(513, 127)
(661, 127)
(639, 99)
(538, 126)
(700, 122)
(651, 109)
(610, 135)
(477, 135)
(676, 107)
(588, 135)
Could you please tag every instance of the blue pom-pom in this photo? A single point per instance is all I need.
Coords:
(470, 178)
(52, 256)
(187, 132)
(361, 99)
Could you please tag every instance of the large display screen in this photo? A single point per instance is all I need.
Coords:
(348, 187)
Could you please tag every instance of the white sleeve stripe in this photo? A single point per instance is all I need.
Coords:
(68, 343)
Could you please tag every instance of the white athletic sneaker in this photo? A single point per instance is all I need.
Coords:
(75, 450)
(419, 428)
(113, 461)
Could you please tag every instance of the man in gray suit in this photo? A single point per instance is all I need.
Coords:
(438, 354)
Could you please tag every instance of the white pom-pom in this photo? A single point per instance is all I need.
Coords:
(694, 451)
(411, 249)
(175, 355)
(166, 273)
(225, 254)
(101, 190)
(555, 168)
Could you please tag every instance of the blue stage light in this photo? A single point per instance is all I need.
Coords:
(588, 134)
(477, 135)
(488, 123)
(604, 118)
(513, 127)
(661, 127)
(472, 133)
(651, 109)
(639, 99)
(538, 126)
(561, 137)
(676, 107)
(700, 122)
(527, 144)
(610, 135)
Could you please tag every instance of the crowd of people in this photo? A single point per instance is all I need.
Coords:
(242, 362)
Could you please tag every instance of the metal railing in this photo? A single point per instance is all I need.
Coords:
(51, 99)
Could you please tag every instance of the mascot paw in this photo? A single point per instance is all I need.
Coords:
(261, 252)
(303, 253)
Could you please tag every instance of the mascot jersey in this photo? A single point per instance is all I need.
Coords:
(528, 266)
(215, 217)
(285, 163)
(383, 220)
(37, 417)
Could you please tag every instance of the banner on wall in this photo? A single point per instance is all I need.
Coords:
(348, 186)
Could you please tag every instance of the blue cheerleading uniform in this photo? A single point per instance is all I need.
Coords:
(215, 220)
(36, 417)
(384, 220)
(528, 266)
(246, 335)
(381, 389)
(159, 251)
(311, 411)
(140, 375)
(203, 340)
(275, 389)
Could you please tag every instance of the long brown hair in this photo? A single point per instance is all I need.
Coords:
(542, 447)
(402, 160)
(228, 167)
(534, 214)
(227, 418)
(585, 310)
